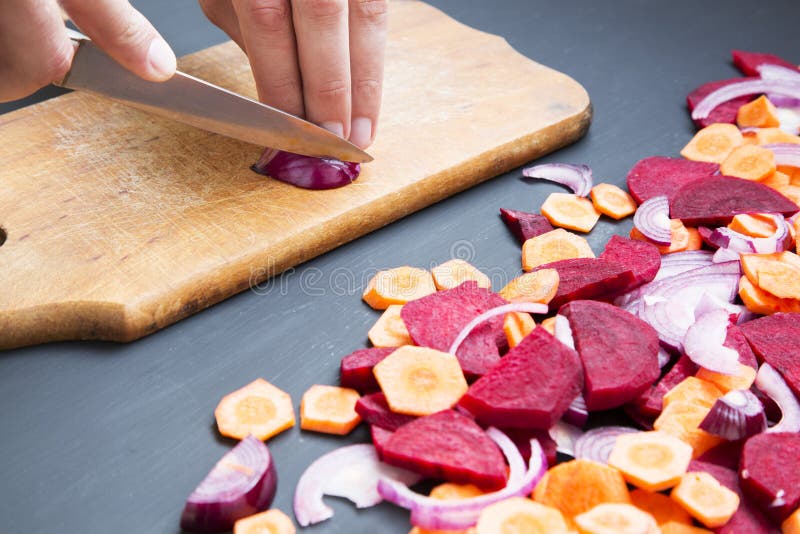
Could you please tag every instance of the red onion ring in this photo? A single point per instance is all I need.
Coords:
(523, 307)
(748, 87)
(577, 414)
(786, 153)
(597, 443)
(576, 177)
(652, 220)
(770, 381)
(778, 72)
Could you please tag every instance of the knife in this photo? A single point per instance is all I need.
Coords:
(193, 101)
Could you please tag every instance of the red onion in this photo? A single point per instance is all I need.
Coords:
(306, 171)
(724, 254)
(771, 383)
(596, 444)
(725, 238)
(680, 262)
(351, 472)
(664, 357)
(709, 303)
(463, 513)
(652, 220)
(577, 414)
(565, 435)
(778, 72)
(576, 177)
(747, 87)
(563, 332)
(704, 340)
(523, 307)
(736, 415)
(786, 154)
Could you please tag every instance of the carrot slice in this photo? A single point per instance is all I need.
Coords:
(674, 527)
(759, 301)
(679, 237)
(682, 420)
(741, 380)
(270, 522)
(749, 162)
(519, 514)
(390, 330)
(754, 225)
(662, 508)
(398, 286)
(420, 381)
(616, 518)
(791, 191)
(776, 180)
(706, 499)
(516, 326)
(539, 286)
(695, 241)
(769, 136)
(329, 409)
(751, 263)
(694, 390)
(758, 113)
(779, 278)
(549, 324)
(792, 172)
(570, 211)
(713, 143)
(552, 246)
(259, 408)
(455, 272)
(791, 524)
(651, 460)
(610, 200)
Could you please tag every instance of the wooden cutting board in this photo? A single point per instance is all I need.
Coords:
(118, 223)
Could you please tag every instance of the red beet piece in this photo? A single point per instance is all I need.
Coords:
(735, 340)
(641, 257)
(650, 402)
(774, 339)
(435, 321)
(619, 352)
(522, 439)
(525, 225)
(374, 409)
(748, 62)
(769, 472)
(660, 175)
(725, 112)
(715, 200)
(531, 387)
(355, 370)
(726, 455)
(589, 278)
(449, 446)
(379, 438)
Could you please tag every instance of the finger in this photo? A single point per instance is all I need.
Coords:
(34, 47)
(222, 14)
(268, 35)
(367, 45)
(322, 46)
(125, 35)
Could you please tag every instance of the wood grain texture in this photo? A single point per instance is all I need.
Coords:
(119, 223)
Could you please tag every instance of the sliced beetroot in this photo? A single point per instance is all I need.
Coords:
(735, 340)
(660, 175)
(448, 446)
(725, 112)
(525, 225)
(374, 410)
(649, 403)
(769, 472)
(435, 320)
(531, 387)
(618, 350)
(748, 62)
(774, 339)
(726, 455)
(379, 438)
(355, 370)
(641, 257)
(716, 199)
(588, 278)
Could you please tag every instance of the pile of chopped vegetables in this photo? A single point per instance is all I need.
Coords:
(688, 329)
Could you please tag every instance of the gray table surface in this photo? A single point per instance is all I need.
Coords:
(100, 437)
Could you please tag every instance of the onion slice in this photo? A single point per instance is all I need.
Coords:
(565, 435)
(785, 153)
(597, 443)
(563, 332)
(747, 87)
(778, 72)
(522, 307)
(576, 177)
(704, 343)
(736, 415)
(351, 472)
(577, 413)
(306, 171)
(771, 383)
(652, 220)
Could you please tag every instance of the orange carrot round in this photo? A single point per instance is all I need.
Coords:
(455, 272)
(653, 461)
(519, 514)
(258, 408)
(398, 286)
(552, 246)
(749, 162)
(706, 499)
(329, 409)
(270, 522)
(538, 286)
(713, 143)
(610, 200)
(390, 330)
(570, 211)
(758, 113)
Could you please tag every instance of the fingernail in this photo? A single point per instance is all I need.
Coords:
(361, 132)
(161, 58)
(335, 127)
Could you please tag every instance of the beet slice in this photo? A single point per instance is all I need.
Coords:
(769, 472)
(374, 409)
(531, 387)
(379, 438)
(726, 455)
(715, 200)
(660, 175)
(735, 340)
(641, 257)
(774, 339)
(522, 439)
(450, 446)
(525, 225)
(355, 370)
(588, 278)
(649, 403)
(725, 112)
(748, 62)
(434, 321)
(619, 352)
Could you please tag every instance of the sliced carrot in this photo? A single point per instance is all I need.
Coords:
(420, 381)
(455, 272)
(449, 492)
(792, 523)
(695, 241)
(674, 527)
(329, 409)
(398, 286)
(522, 515)
(791, 191)
(662, 508)
(259, 408)
(706, 499)
(779, 278)
(270, 522)
(792, 172)
(758, 113)
(776, 180)
(610, 200)
(757, 300)
(679, 237)
(552, 246)
(653, 460)
(749, 162)
(713, 143)
(390, 330)
(549, 324)
(694, 390)
(750, 138)
(682, 420)
(741, 380)
(754, 225)
(751, 263)
(570, 211)
(769, 136)
(616, 518)
(796, 227)
(538, 286)
(516, 326)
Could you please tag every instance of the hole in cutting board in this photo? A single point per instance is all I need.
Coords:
(3, 236)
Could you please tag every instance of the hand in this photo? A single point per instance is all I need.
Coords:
(318, 59)
(35, 49)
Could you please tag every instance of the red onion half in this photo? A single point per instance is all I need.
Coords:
(523, 307)
(771, 383)
(747, 87)
(736, 415)
(576, 177)
(652, 220)
(306, 171)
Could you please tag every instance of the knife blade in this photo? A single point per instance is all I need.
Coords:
(196, 102)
